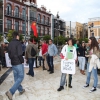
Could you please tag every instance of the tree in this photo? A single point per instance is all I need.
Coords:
(36, 39)
(21, 37)
(9, 35)
(1, 38)
(47, 37)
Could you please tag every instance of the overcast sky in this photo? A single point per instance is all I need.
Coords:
(73, 10)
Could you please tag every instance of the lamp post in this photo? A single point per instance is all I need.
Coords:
(25, 22)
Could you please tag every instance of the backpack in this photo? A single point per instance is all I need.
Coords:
(33, 52)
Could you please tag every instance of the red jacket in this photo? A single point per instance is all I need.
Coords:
(44, 48)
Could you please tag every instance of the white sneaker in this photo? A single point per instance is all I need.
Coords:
(93, 89)
(86, 85)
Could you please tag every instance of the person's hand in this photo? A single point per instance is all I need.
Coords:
(66, 58)
(87, 55)
(54, 56)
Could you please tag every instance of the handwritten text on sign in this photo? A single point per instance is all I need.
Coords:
(68, 66)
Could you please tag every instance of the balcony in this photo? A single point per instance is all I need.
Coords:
(17, 15)
(33, 19)
(8, 13)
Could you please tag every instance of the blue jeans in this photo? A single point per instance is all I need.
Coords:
(95, 76)
(18, 71)
(63, 79)
(31, 63)
(50, 63)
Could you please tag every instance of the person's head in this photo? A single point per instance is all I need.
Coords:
(93, 43)
(99, 40)
(50, 41)
(15, 35)
(77, 42)
(30, 40)
(70, 42)
(6, 44)
(83, 44)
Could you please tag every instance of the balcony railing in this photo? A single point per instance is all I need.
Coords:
(16, 15)
(8, 13)
(33, 18)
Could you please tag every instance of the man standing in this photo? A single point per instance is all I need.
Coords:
(31, 48)
(44, 54)
(15, 53)
(52, 52)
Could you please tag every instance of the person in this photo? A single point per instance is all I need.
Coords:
(52, 52)
(99, 42)
(40, 55)
(81, 57)
(23, 48)
(76, 44)
(94, 49)
(44, 54)
(69, 52)
(29, 57)
(15, 53)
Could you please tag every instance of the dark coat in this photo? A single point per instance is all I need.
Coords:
(15, 52)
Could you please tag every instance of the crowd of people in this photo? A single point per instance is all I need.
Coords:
(86, 55)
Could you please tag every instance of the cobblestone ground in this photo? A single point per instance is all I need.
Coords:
(44, 86)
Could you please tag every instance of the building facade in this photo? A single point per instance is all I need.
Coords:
(58, 27)
(43, 22)
(14, 16)
(94, 30)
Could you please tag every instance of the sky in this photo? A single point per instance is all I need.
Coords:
(73, 10)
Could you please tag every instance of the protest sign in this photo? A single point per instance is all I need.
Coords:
(68, 66)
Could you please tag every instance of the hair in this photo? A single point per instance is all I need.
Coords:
(94, 43)
(71, 40)
(15, 34)
(31, 40)
(51, 40)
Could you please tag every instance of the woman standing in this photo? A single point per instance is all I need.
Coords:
(68, 52)
(94, 49)
(81, 57)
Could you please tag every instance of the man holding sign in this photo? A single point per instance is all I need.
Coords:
(68, 59)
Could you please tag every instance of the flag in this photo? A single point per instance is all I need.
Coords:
(33, 26)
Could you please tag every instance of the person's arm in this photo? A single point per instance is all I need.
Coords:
(55, 50)
(96, 52)
(75, 54)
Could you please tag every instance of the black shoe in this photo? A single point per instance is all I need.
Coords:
(69, 86)
(27, 74)
(32, 75)
(51, 72)
(60, 88)
(22, 92)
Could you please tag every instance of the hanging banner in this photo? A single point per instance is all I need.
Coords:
(68, 66)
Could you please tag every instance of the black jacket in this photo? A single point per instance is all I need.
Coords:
(15, 52)
(81, 51)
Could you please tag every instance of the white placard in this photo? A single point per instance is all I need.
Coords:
(8, 61)
(68, 66)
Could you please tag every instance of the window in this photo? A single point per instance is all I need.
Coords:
(17, 26)
(23, 13)
(16, 12)
(33, 15)
(48, 31)
(1, 26)
(43, 30)
(39, 18)
(43, 19)
(39, 31)
(23, 28)
(9, 9)
(48, 21)
(9, 25)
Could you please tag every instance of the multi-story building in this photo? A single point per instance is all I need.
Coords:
(76, 29)
(94, 27)
(43, 21)
(14, 16)
(58, 27)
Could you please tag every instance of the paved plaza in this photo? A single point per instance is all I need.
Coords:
(43, 86)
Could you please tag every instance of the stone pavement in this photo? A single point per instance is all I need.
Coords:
(44, 86)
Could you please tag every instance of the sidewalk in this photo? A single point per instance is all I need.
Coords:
(43, 86)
